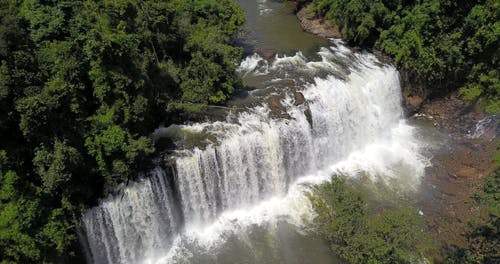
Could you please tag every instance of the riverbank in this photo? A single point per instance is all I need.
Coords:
(459, 167)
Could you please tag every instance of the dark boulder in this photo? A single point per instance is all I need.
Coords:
(308, 115)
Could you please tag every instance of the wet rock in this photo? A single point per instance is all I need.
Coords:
(268, 54)
(278, 110)
(467, 172)
(298, 97)
(308, 115)
(317, 25)
(415, 90)
(169, 161)
(490, 133)
(454, 114)
(413, 103)
(487, 128)
(382, 57)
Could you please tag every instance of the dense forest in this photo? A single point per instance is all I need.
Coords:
(82, 83)
(358, 232)
(445, 45)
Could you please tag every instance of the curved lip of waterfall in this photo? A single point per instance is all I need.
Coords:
(335, 62)
(294, 206)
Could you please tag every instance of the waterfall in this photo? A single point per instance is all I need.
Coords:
(351, 121)
(143, 218)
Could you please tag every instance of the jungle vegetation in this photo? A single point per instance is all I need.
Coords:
(360, 233)
(82, 84)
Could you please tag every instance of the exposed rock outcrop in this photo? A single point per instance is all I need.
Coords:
(169, 161)
(415, 92)
(317, 25)
(278, 110)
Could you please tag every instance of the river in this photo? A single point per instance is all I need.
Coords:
(236, 191)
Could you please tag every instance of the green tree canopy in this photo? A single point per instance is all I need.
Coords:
(359, 235)
(82, 84)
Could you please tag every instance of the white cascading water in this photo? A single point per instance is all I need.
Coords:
(255, 172)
